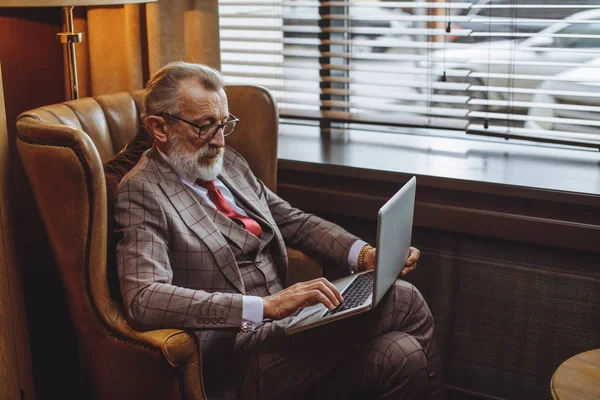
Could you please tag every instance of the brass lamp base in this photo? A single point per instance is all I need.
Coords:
(69, 38)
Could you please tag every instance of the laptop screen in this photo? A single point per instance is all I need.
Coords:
(394, 233)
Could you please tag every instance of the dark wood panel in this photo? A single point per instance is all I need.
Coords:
(508, 215)
(15, 357)
(32, 66)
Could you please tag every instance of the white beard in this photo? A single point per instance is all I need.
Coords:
(194, 164)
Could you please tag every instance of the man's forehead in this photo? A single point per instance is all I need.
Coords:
(191, 90)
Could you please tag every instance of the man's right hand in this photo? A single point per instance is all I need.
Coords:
(288, 301)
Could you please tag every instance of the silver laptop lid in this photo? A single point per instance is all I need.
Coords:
(394, 232)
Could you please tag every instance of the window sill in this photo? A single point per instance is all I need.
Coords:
(533, 194)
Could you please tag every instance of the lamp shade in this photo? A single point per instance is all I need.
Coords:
(60, 3)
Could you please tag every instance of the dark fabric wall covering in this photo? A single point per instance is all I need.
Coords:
(508, 314)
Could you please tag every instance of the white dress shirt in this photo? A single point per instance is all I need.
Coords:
(252, 306)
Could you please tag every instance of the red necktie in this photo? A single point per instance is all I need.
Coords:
(217, 198)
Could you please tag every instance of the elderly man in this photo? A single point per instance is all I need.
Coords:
(202, 247)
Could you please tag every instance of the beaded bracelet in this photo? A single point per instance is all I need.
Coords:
(361, 257)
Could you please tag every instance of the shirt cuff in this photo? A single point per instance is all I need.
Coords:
(252, 311)
(353, 255)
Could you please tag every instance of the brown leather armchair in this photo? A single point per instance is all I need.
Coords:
(63, 148)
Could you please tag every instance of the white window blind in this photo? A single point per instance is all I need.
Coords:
(527, 69)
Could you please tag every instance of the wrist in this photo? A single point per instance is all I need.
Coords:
(267, 308)
(361, 258)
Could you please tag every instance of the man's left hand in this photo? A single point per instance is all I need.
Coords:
(411, 261)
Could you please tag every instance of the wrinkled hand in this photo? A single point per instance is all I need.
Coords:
(410, 265)
(288, 301)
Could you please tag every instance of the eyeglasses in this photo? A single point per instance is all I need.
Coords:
(209, 131)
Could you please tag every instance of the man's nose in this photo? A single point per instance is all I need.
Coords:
(218, 140)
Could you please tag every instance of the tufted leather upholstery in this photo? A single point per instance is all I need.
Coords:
(64, 147)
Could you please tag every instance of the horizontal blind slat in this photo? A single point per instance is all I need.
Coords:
(351, 29)
(514, 21)
(504, 89)
(519, 117)
(368, 4)
(517, 6)
(554, 78)
(528, 63)
(528, 104)
(383, 69)
(448, 86)
(404, 120)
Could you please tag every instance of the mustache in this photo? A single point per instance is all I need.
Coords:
(212, 152)
(209, 153)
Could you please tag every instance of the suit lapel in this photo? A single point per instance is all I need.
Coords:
(197, 218)
(239, 187)
(243, 239)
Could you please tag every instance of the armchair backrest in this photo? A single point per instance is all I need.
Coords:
(64, 147)
(256, 135)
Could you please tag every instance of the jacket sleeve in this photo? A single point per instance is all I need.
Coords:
(145, 273)
(309, 233)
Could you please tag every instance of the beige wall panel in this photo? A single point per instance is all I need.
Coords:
(183, 30)
(202, 42)
(166, 33)
(114, 49)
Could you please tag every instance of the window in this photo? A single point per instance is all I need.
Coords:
(511, 69)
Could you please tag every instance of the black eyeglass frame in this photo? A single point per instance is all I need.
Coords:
(232, 117)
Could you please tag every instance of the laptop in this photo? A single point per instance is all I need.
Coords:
(363, 291)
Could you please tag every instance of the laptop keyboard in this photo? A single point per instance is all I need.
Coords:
(356, 294)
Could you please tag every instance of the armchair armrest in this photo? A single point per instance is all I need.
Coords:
(176, 345)
(180, 349)
(302, 267)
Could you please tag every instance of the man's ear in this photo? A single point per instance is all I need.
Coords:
(158, 128)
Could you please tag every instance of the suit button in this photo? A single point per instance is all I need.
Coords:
(200, 320)
(222, 320)
(214, 320)
(246, 327)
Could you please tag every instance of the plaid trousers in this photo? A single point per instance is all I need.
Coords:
(387, 353)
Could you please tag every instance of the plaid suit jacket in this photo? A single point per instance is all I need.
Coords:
(175, 261)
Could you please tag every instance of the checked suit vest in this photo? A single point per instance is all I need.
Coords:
(257, 268)
(253, 256)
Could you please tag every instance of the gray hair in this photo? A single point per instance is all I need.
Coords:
(162, 90)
